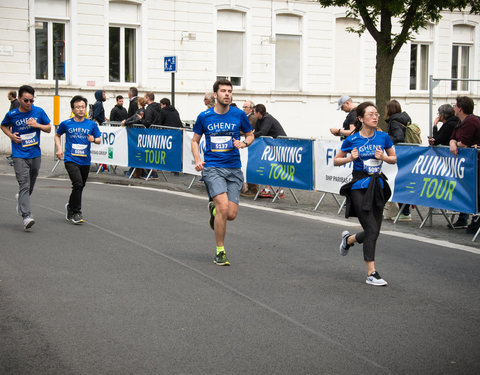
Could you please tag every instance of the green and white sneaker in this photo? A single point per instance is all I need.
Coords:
(211, 207)
(221, 259)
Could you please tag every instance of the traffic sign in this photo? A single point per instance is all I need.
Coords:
(170, 64)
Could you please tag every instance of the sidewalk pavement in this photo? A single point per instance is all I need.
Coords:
(435, 229)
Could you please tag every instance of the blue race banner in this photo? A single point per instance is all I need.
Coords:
(281, 162)
(155, 149)
(434, 177)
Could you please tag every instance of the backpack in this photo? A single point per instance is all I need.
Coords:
(412, 133)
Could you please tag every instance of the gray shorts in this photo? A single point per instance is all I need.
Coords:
(224, 180)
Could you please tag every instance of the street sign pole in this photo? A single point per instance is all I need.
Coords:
(173, 89)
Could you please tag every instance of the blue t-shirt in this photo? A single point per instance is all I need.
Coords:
(29, 148)
(77, 145)
(220, 130)
(366, 160)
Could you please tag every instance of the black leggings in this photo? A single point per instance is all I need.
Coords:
(371, 222)
(78, 175)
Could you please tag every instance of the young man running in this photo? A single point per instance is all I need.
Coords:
(221, 169)
(80, 133)
(23, 125)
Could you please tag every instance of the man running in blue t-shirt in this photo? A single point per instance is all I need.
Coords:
(221, 169)
(79, 134)
(23, 126)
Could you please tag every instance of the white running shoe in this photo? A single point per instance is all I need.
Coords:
(344, 246)
(28, 222)
(375, 279)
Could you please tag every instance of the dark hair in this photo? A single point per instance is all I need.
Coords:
(221, 81)
(76, 99)
(260, 108)
(26, 88)
(12, 93)
(446, 110)
(165, 101)
(466, 104)
(361, 113)
(134, 91)
(393, 107)
(118, 97)
(150, 95)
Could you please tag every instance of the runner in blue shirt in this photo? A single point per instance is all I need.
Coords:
(79, 134)
(368, 191)
(23, 126)
(221, 169)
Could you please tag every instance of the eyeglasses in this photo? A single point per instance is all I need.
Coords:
(372, 114)
(28, 101)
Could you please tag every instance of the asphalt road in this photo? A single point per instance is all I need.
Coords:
(134, 291)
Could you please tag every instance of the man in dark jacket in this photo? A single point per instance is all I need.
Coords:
(12, 96)
(98, 110)
(267, 125)
(152, 113)
(133, 105)
(118, 113)
(169, 115)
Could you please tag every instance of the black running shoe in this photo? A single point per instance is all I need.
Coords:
(77, 218)
(221, 259)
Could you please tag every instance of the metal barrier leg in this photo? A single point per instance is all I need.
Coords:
(476, 235)
(55, 166)
(319, 202)
(341, 206)
(277, 193)
(418, 212)
(294, 196)
(99, 167)
(336, 200)
(429, 214)
(444, 213)
(148, 175)
(399, 213)
(165, 177)
(131, 174)
(191, 183)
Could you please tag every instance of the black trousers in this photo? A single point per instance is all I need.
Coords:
(371, 222)
(78, 175)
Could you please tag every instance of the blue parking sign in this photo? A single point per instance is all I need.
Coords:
(170, 64)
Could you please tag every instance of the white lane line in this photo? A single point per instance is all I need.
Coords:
(324, 219)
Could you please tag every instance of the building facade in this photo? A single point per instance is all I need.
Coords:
(293, 56)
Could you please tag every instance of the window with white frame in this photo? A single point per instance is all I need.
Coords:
(461, 56)
(347, 47)
(288, 47)
(122, 41)
(231, 45)
(419, 59)
(51, 20)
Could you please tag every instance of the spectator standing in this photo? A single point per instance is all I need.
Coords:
(169, 115)
(221, 169)
(465, 134)
(118, 112)
(133, 101)
(98, 110)
(345, 103)
(249, 190)
(138, 115)
(209, 99)
(12, 96)
(152, 113)
(446, 115)
(79, 133)
(368, 191)
(23, 126)
(267, 126)
(397, 121)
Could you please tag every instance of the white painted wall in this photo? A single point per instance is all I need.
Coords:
(306, 113)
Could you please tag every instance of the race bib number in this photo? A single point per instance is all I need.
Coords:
(29, 139)
(79, 150)
(372, 166)
(221, 144)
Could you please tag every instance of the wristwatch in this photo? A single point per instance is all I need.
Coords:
(246, 144)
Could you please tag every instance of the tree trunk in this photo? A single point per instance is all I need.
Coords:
(383, 80)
